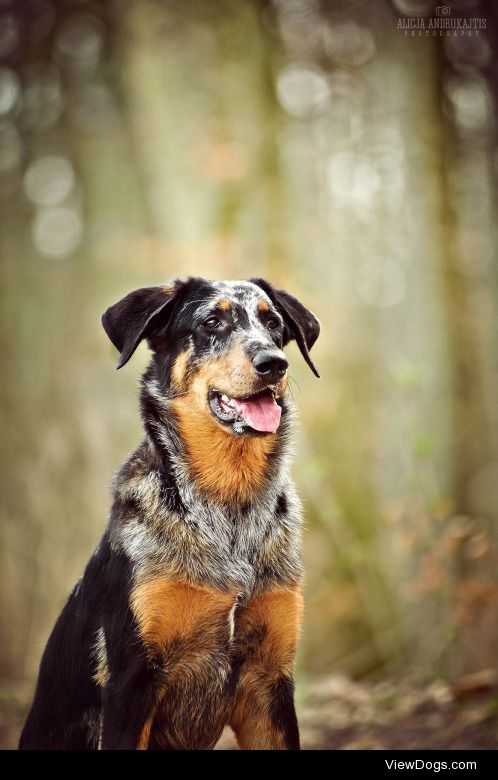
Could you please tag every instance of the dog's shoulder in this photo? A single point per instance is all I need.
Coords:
(145, 486)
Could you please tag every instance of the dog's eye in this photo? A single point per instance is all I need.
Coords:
(212, 323)
(272, 323)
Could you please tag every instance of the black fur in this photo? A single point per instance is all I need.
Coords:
(282, 711)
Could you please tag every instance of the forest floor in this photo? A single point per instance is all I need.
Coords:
(339, 713)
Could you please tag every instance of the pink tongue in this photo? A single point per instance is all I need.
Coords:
(261, 413)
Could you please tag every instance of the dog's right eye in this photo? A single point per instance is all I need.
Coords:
(212, 323)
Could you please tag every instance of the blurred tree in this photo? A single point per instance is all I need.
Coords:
(311, 142)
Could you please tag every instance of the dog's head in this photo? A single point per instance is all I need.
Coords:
(219, 343)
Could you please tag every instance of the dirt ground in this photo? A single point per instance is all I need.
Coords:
(338, 713)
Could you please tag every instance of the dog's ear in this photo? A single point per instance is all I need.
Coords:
(137, 316)
(300, 323)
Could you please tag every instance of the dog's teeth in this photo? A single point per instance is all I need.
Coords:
(225, 399)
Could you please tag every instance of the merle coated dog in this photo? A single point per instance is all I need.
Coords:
(188, 614)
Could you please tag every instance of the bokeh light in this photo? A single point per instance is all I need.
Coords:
(353, 180)
(9, 33)
(79, 44)
(348, 44)
(57, 232)
(42, 101)
(470, 102)
(414, 7)
(303, 91)
(48, 181)
(9, 90)
(464, 51)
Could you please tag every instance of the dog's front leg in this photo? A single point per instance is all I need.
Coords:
(267, 631)
(129, 706)
(264, 717)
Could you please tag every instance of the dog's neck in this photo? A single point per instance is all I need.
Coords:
(230, 469)
(226, 466)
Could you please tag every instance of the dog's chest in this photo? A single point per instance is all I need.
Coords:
(243, 551)
(225, 549)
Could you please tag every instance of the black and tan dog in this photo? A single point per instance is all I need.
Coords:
(188, 615)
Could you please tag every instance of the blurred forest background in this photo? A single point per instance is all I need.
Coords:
(320, 145)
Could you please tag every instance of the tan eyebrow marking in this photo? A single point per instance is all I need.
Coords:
(263, 306)
(224, 305)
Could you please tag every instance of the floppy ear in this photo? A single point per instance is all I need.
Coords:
(136, 316)
(300, 323)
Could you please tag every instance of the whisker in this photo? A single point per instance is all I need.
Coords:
(293, 384)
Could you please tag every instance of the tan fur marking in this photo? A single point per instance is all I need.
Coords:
(99, 653)
(280, 612)
(252, 726)
(274, 620)
(143, 740)
(179, 370)
(229, 468)
(165, 609)
(224, 305)
(101, 676)
(231, 373)
(263, 306)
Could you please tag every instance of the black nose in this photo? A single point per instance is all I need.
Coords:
(270, 364)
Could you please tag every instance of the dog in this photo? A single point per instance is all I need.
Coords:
(188, 615)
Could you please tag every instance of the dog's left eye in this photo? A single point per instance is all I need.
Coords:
(272, 323)
(212, 323)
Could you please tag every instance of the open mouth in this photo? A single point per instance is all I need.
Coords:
(260, 411)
